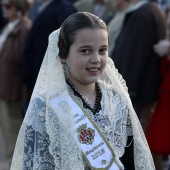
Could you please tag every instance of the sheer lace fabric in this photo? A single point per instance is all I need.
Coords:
(48, 140)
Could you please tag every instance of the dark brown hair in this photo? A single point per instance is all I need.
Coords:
(74, 23)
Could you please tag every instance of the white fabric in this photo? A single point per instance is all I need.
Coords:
(7, 30)
(49, 141)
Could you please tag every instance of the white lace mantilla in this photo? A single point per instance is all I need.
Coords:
(49, 142)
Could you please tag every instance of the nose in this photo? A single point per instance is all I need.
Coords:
(95, 58)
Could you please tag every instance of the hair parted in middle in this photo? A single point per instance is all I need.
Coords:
(74, 23)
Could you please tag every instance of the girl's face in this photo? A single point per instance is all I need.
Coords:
(87, 56)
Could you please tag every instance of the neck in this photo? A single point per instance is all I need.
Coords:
(89, 95)
(85, 90)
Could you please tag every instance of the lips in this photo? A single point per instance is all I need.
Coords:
(93, 69)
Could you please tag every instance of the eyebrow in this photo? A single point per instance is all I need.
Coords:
(87, 46)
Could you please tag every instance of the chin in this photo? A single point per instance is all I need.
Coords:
(94, 80)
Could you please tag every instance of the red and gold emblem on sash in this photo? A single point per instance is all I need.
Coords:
(86, 135)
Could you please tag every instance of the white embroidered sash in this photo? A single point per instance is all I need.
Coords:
(95, 148)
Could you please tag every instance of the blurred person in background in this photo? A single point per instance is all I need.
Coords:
(51, 14)
(12, 91)
(136, 60)
(158, 133)
(116, 24)
(102, 8)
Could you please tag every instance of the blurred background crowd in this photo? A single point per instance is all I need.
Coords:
(139, 44)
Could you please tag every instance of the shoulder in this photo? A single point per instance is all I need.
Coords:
(36, 114)
(147, 10)
(106, 88)
(22, 28)
(38, 103)
(38, 98)
(25, 24)
(37, 107)
(141, 17)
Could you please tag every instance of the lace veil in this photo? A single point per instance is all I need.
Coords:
(48, 141)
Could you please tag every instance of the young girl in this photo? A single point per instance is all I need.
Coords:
(80, 114)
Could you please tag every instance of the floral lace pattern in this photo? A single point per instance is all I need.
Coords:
(35, 143)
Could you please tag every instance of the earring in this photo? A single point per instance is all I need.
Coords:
(65, 68)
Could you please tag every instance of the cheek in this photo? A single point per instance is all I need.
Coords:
(79, 63)
(75, 66)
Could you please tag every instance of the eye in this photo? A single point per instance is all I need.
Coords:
(103, 51)
(85, 51)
